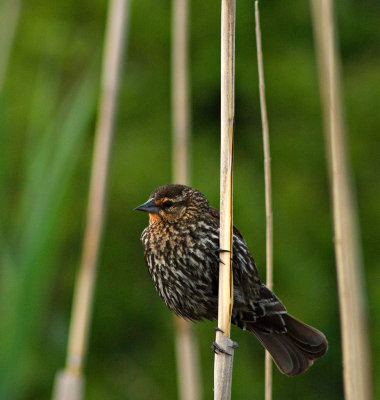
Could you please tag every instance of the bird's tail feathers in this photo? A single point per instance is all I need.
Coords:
(295, 350)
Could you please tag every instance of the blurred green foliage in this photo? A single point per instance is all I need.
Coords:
(47, 111)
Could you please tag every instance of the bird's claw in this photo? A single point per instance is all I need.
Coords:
(217, 349)
(224, 251)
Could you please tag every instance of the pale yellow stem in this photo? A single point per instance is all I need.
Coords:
(355, 347)
(223, 363)
(268, 190)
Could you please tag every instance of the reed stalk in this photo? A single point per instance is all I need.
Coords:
(268, 189)
(223, 361)
(9, 17)
(180, 93)
(188, 369)
(69, 382)
(355, 348)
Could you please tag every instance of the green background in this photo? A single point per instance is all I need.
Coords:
(47, 115)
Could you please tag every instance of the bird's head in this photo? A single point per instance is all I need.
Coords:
(172, 203)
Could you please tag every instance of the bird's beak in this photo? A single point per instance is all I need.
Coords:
(149, 207)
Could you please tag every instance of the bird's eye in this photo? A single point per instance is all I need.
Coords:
(167, 203)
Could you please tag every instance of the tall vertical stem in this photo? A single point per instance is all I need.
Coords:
(355, 347)
(227, 132)
(180, 92)
(186, 344)
(268, 189)
(9, 17)
(223, 362)
(69, 384)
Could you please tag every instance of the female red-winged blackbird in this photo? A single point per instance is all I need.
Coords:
(182, 253)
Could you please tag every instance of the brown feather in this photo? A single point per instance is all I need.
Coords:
(182, 254)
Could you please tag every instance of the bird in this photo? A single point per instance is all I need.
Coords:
(181, 250)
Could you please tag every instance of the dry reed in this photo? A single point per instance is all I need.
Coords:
(224, 362)
(355, 348)
(268, 189)
(188, 369)
(9, 17)
(69, 382)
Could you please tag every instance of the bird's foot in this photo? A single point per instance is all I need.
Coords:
(222, 251)
(217, 349)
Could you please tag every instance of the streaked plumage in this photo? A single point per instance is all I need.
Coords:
(182, 251)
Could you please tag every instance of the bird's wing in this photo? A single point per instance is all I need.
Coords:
(216, 214)
(247, 284)
(245, 275)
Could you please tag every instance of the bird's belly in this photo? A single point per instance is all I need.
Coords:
(184, 285)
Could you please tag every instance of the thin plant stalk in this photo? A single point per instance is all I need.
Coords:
(355, 348)
(9, 17)
(268, 190)
(224, 362)
(188, 369)
(180, 93)
(69, 384)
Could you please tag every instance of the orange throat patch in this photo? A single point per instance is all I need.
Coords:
(154, 218)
